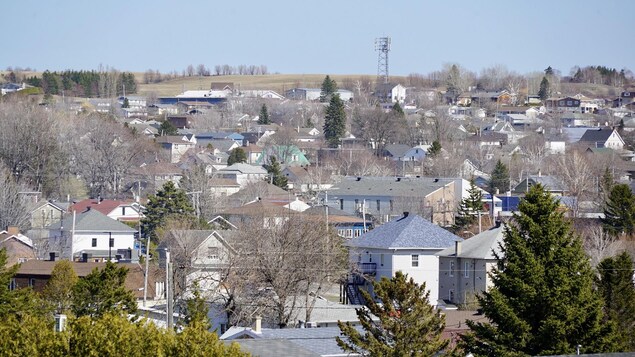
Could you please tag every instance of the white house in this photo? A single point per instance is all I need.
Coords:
(390, 92)
(408, 244)
(94, 234)
(243, 173)
(464, 268)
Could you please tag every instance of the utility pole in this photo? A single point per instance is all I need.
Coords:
(168, 290)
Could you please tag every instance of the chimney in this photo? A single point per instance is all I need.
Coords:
(405, 214)
(457, 248)
(13, 230)
(258, 327)
(53, 256)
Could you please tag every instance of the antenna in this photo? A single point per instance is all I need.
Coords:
(382, 45)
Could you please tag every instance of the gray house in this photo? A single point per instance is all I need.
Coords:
(464, 268)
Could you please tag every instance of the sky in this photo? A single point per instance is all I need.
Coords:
(323, 37)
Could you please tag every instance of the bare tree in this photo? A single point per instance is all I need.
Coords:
(378, 127)
(599, 244)
(13, 206)
(573, 171)
(190, 70)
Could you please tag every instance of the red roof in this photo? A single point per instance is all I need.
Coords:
(105, 206)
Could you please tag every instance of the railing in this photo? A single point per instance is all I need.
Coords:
(367, 268)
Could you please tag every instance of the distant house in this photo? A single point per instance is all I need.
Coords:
(19, 248)
(417, 153)
(408, 244)
(312, 94)
(390, 93)
(115, 209)
(564, 104)
(288, 155)
(175, 145)
(464, 268)
(301, 179)
(602, 138)
(244, 173)
(153, 176)
(626, 98)
(6, 88)
(238, 138)
(261, 93)
(347, 225)
(93, 234)
(550, 183)
(395, 151)
(45, 213)
(578, 119)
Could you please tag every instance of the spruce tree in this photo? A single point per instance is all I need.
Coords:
(329, 87)
(543, 91)
(167, 128)
(408, 325)
(469, 208)
(103, 291)
(396, 109)
(237, 155)
(275, 173)
(542, 301)
(619, 213)
(59, 288)
(334, 121)
(168, 201)
(499, 178)
(263, 117)
(434, 149)
(615, 283)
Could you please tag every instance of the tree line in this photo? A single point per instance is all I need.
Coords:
(104, 84)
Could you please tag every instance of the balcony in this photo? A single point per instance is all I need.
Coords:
(367, 268)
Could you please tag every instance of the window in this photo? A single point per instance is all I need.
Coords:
(349, 233)
(466, 269)
(94, 243)
(415, 260)
(381, 259)
(32, 282)
(378, 205)
(112, 242)
(451, 268)
(370, 257)
(212, 252)
(357, 206)
(341, 232)
(569, 102)
(561, 103)
(12, 285)
(342, 204)
(358, 232)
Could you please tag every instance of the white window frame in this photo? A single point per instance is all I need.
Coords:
(451, 268)
(414, 260)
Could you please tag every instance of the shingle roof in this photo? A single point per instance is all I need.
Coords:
(103, 206)
(92, 221)
(411, 231)
(396, 150)
(596, 135)
(388, 186)
(481, 246)
(245, 169)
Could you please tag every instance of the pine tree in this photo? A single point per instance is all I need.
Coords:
(236, 156)
(275, 173)
(334, 121)
(263, 117)
(329, 87)
(196, 310)
(126, 103)
(408, 325)
(543, 91)
(434, 149)
(615, 283)
(103, 291)
(549, 71)
(396, 108)
(619, 213)
(469, 208)
(167, 128)
(59, 288)
(169, 201)
(542, 301)
(499, 178)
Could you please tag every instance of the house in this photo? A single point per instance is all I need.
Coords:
(175, 145)
(312, 94)
(238, 138)
(390, 93)
(602, 138)
(45, 213)
(115, 209)
(218, 145)
(386, 197)
(92, 235)
(395, 151)
(36, 273)
(6, 88)
(153, 176)
(253, 153)
(243, 173)
(550, 183)
(19, 248)
(564, 104)
(288, 155)
(488, 138)
(269, 213)
(347, 225)
(417, 153)
(578, 120)
(220, 187)
(305, 179)
(464, 268)
(261, 93)
(626, 98)
(555, 144)
(180, 121)
(408, 244)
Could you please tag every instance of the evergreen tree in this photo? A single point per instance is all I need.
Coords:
(619, 213)
(396, 109)
(237, 155)
(542, 301)
(469, 208)
(263, 117)
(434, 149)
(549, 71)
(275, 173)
(167, 128)
(543, 91)
(59, 288)
(334, 121)
(126, 103)
(196, 310)
(329, 87)
(169, 201)
(103, 291)
(615, 283)
(408, 325)
(499, 178)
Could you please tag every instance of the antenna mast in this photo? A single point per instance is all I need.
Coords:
(382, 45)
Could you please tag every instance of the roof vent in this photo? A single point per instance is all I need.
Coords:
(436, 180)
(405, 214)
(359, 178)
(398, 179)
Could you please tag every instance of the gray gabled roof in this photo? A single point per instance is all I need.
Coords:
(596, 135)
(388, 186)
(93, 221)
(407, 232)
(481, 246)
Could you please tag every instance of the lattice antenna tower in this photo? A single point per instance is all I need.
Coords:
(382, 46)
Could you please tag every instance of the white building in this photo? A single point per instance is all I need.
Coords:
(312, 94)
(243, 173)
(390, 92)
(408, 244)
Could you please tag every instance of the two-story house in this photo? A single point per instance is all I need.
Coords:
(390, 93)
(408, 244)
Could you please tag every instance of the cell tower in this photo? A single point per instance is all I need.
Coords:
(382, 45)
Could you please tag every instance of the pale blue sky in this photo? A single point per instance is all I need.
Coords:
(326, 36)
